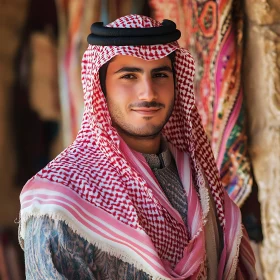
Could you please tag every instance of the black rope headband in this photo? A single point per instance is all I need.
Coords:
(108, 36)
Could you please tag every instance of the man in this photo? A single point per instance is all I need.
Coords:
(137, 195)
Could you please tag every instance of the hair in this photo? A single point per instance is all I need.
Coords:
(102, 76)
(104, 67)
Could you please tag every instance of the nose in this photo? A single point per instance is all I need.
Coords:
(147, 90)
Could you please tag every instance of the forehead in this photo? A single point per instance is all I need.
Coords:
(132, 61)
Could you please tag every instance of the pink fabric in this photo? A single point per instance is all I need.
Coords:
(100, 223)
(99, 169)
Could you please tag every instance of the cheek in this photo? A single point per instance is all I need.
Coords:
(167, 92)
(112, 103)
(117, 100)
(123, 95)
(120, 89)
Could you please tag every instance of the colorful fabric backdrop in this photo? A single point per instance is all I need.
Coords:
(75, 19)
(212, 31)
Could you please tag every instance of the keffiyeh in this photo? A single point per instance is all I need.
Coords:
(108, 194)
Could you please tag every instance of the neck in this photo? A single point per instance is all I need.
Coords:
(144, 145)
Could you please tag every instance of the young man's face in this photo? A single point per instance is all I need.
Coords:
(140, 94)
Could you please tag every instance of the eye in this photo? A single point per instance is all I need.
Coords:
(128, 76)
(160, 75)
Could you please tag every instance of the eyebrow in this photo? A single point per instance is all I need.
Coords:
(162, 68)
(140, 70)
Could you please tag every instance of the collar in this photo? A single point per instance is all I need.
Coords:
(161, 160)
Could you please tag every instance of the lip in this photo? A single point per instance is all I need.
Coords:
(146, 111)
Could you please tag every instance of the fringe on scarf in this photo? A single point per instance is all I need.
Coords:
(111, 250)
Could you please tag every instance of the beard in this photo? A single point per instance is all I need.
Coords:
(147, 131)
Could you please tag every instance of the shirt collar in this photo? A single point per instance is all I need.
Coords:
(161, 160)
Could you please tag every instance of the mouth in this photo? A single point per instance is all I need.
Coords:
(146, 111)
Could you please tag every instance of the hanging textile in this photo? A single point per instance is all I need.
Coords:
(117, 8)
(35, 97)
(43, 77)
(75, 18)
(213, 34)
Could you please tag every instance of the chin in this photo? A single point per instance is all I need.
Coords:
(143, 129)
(146, 132)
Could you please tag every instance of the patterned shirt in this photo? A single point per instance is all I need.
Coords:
(54, 251)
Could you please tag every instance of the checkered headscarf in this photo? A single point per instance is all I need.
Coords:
(113, 181)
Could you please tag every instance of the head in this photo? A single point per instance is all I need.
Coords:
(112, 103)
(183, 130)
(140, 93)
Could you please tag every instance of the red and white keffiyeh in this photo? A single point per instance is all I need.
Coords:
(108, 194)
